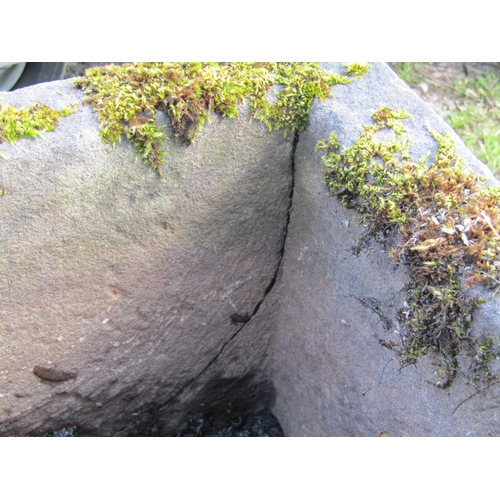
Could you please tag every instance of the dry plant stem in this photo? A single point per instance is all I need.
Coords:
(447, 224)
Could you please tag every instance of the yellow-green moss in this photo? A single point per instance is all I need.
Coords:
(126, 98)
(18, 123)
(357, 69)
(448, 225)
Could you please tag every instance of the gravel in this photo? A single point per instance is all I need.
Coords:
(264, 424)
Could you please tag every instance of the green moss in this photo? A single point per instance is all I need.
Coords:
(357, 69)
(127, 98)
(17, 123)
(448, 229)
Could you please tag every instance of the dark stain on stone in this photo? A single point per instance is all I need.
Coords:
(239, 318)
(53, 374)
(228, 398)
(373, 304)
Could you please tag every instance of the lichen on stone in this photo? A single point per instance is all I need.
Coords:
(448, 225)
(126, 98)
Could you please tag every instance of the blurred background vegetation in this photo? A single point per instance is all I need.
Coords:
(467, 96)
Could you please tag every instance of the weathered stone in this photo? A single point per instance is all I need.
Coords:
(124, 299)
(121, 279)
(337, 303)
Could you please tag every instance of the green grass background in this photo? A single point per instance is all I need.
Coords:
(476, 113)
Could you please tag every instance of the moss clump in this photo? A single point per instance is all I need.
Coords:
(357, 69)
(126, 98)
(448, 225)
(18, 123)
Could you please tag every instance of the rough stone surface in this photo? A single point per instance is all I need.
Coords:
(334, 304)
(124, 281)
(119, 288)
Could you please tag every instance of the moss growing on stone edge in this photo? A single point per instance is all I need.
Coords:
(19, 123)
(126, 98)
(357, 69)
(449, 237)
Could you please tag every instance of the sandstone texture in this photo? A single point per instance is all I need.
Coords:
(117, 288)
(337, 303)
(123, 281)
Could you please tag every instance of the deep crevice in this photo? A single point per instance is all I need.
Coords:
(287, 223)
(148, 424)
(267, 290)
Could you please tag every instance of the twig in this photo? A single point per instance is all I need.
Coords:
(382, 375)
(473, 394)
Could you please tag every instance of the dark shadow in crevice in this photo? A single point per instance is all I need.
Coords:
(266, 292)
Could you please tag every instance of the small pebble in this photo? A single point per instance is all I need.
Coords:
(424, 87)
(263, 425)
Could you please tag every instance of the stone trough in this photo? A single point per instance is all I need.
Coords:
(228, 287)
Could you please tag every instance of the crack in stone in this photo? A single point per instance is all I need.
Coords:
(266, 292)
(226, 343)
